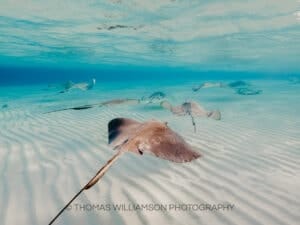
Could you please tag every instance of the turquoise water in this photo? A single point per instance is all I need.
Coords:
(51, 50)
(121, 40)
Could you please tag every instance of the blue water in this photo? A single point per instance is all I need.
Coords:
(40, 41)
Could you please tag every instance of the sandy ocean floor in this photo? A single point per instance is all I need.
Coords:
(251, 158)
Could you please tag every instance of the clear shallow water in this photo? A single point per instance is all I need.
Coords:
(250, 157)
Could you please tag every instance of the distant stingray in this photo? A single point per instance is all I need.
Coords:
(105, 103)
(82, 86)
(237, 84)
(155, 97)
(208, 85)
(234, 84)
(240, 87)
(248, 91)
(153, 137)
(192, 109)
(243, 88)
(4, 106)
(294, 80)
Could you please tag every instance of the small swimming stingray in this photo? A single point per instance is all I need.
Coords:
(208, 85)
(237, 84)
(4, 106)
(294, 80)
(240, 87)
(234, 85)
(151, 137)
(248, 91)
(155, 97)
(82, 86)
(105, 103)
(192, 109)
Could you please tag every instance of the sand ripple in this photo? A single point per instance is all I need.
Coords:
(45, 159)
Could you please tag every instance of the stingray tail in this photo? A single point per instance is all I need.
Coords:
(216, 115)
(102, 171)
(194, 123)
(92, 182)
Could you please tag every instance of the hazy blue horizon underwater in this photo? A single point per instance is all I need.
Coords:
(46, 82)
(42, 86)
(36, 74)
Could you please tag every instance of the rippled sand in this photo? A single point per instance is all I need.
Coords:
(251, 158)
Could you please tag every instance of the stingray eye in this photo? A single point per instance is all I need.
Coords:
(166, 123)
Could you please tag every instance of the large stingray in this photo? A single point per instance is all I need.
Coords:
(153, 137)
(82, 86)
(192, 109)
(105, 103)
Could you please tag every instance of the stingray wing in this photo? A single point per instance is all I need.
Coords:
(178, 110)
(164, 143)
(215, 114)
(120, 130)
(197, 110)
(81, 86)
